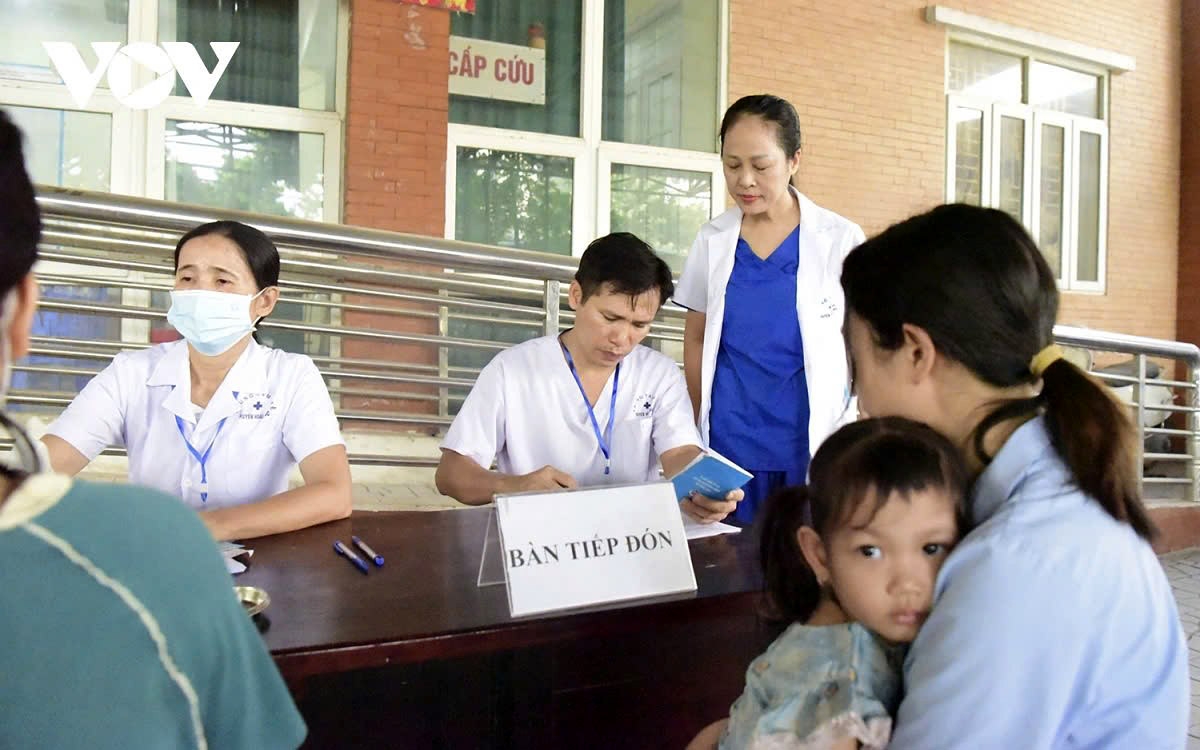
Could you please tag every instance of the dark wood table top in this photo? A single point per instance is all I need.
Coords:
(424, 603)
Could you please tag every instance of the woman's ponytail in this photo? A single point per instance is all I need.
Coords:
(791, 585)
(974, 279)
(1093, 433)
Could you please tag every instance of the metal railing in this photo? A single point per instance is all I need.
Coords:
(1166, 409)
(387, 317)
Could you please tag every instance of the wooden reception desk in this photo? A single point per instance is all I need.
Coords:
(416, 654)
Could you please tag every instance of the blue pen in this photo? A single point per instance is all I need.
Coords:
(378, 558)
(345, 552)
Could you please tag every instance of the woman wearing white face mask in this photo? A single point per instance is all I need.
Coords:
(217, 419)
(119, 628)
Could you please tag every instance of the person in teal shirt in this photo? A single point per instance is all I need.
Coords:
(118, 619)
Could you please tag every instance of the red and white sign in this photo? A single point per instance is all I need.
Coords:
(493, 70)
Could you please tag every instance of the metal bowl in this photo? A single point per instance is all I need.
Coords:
(254, 599)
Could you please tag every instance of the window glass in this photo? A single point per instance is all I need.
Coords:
(27, 24)
(1064, 90)
(288, 51)
(1012, 167)
(1052, 201)
(554, 27)
(664, 207)
(968, 155)
(66, 148)
(660, 65)
(976, 71)
(250, 169)
(1087, 241)
(514, 199)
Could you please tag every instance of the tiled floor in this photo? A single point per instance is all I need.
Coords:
(1183, 570)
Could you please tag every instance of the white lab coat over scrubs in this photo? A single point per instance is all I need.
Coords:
(825, 239)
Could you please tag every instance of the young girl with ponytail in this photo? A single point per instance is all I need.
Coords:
(849, 562)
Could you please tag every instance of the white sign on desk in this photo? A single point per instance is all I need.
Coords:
(582, 547)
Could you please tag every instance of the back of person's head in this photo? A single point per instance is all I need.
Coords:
(621, 263)
(20, 232)
(769, 108)
(20, 221)
(259, 251)
(869, 461)
(976, 282)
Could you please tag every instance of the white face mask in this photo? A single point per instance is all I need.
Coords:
(212, 322)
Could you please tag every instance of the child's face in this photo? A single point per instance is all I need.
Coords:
(882, 569)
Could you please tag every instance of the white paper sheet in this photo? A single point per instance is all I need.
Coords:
(693, 529)
(230, 550)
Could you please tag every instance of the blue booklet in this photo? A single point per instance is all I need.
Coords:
(710, 474)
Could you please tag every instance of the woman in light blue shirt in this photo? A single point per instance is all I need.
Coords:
(1053, 625)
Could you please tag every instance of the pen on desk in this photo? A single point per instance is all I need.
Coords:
(375, 556)
(345, 552)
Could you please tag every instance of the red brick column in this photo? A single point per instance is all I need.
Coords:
(396, 117)
(1188, 320)
(395, 161)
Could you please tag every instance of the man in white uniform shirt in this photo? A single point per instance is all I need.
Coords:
(588, 407)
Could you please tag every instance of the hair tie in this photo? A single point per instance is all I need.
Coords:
(1044, 359)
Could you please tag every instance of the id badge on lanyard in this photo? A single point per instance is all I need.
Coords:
(201, 458)
(605, 439)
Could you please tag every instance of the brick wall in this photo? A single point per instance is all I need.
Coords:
(1189, 198)
(396, 117)
(395, 165)
(867, 80)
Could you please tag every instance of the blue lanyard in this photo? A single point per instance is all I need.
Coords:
(604, 440)
(201, 458)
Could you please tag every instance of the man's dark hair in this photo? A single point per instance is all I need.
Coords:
(626, 264)
(20, 221)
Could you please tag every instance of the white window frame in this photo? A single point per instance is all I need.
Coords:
(138, 149)
(124, 174)
(984, 107)
(1099, 128)
(1015, 112)
(624, 154)
(1068, 279)
(593, 156)
(1058, 120)
(326, 124)
(499, 139)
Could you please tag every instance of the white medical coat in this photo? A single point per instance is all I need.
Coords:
(274, 404)
(525, 412)
(825, 239)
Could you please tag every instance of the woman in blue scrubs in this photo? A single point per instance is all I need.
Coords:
(764, 355)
